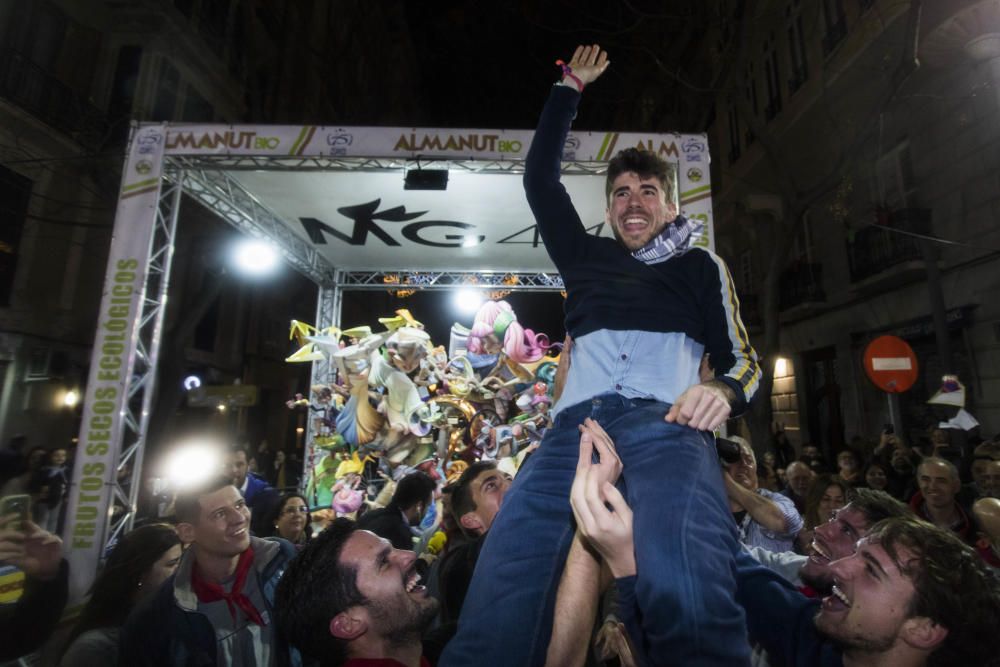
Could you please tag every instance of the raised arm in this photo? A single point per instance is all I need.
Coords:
(558, 222)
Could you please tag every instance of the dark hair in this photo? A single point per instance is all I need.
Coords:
(186, 506)
(461, 492)
(279, 508)
(952, 587)
(815, 495)
(113, 592)
(647, 165)
(412, 489)
(236, 448)
(314, 589)
(878, 505)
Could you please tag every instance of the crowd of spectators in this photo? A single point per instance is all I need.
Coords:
(868, 555)
(903, 572)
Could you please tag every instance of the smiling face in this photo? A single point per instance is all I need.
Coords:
(871, 598)
(833, 540)
(938, 483)
(744, 471)
(875, 478)
(292, 519)
(638, 209)
(397, 605)
(223, 524)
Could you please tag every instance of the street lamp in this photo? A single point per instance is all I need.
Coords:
(71, 399)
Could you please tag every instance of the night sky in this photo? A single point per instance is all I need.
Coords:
(490, 65)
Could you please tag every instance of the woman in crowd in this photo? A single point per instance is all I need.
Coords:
(876, 477)
(141, 561)
(827, 494)
(292, 519)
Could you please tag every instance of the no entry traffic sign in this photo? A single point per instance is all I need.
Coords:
(891, 364)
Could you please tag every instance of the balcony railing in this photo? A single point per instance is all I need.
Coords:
(26, 85)
(801, 284)
(878, 248)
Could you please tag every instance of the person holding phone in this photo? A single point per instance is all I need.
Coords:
(38, 553)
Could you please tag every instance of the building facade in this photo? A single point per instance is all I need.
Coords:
(73, 76)
(857, 152)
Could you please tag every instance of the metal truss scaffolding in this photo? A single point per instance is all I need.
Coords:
(327, 313)
(321, 163)
(141, 383)
(513, 281)
(224, 195)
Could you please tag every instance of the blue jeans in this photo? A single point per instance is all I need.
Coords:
(685, 544)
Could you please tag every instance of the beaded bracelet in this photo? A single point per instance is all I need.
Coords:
(568, 72)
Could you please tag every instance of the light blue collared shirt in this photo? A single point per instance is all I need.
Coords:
(634, 364)
(752, 534)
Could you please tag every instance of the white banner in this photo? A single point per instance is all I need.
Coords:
(111, 362)
(413, 142)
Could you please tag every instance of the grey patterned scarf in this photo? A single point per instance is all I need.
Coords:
(675, 239)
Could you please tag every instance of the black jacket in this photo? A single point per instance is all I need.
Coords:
(388, 522)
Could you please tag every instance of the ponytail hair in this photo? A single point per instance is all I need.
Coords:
(498, 318)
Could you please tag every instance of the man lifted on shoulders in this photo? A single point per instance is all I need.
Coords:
(642, 310)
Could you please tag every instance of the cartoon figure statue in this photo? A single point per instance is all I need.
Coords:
(347, 496)
(497, 330)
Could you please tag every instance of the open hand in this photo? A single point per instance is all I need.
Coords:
(588, 63)
(608, 530)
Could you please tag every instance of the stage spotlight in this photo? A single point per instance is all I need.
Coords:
(193, 462)
(255, 257)
(467, 301)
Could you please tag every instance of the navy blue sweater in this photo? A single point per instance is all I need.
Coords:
(691, 293)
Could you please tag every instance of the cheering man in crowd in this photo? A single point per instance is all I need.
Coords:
(350, 598)
(216, 609)
(642, 309)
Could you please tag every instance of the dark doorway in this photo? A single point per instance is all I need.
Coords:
(825, 419)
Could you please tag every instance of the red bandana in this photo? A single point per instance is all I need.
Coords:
(208, 592)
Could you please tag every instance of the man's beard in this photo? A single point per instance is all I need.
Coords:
(400, 627)
(856, 644)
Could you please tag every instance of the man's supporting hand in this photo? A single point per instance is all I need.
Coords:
(703, 406)
(588, 63)
(608, 530)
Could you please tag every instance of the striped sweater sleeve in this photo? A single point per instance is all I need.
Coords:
(730, 352)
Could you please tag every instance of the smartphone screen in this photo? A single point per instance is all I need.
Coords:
(19, 505)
